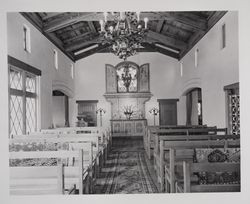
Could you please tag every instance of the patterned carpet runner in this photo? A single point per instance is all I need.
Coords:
(126, 172)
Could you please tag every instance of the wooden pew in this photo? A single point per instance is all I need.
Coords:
(67, 139)
(180, 132)
(151, 132)
(190, 168)
(35, 180)
(183, 146)
(103, 134)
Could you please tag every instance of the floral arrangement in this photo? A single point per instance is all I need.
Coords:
(128, 111)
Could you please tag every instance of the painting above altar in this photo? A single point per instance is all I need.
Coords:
(127, 89)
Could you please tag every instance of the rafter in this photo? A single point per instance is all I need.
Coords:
(161, 50)
(78, 37)
(159, 26)
(92, 27)
(51, 15)
(198, 23)
(70, 20)
(92, 51)
(78, 45)
(168, 41)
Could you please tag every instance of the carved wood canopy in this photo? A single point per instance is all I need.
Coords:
(170, 33)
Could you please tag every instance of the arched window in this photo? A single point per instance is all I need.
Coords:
(127, 77)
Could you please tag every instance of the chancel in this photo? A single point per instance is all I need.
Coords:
(123, 102)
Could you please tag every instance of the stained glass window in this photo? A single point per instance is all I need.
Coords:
(127, 78)
(22, 101)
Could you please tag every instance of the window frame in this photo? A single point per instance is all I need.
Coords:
(24, 94)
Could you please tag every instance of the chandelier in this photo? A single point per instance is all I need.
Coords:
(124, 33)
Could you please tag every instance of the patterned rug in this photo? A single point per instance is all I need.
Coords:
(127, 173)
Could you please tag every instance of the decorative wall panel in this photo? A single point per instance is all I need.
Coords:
(144, 78)
(111, 81)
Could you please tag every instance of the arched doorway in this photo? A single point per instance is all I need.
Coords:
(194, 107)
(60, 114)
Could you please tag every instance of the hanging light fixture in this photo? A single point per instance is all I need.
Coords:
(124, 33)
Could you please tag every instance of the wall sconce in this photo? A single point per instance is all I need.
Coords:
(101, 111)
(154, 112)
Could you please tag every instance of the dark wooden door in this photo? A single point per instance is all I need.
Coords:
(168, 111)
(87, 111)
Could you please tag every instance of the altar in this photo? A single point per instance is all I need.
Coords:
(132, 127)
(127, 89)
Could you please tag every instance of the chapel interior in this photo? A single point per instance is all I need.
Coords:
(123, 102)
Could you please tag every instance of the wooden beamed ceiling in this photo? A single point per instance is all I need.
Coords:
(170, 33)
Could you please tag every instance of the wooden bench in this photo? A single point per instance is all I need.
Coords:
(151, 132)
(178, 155)
(182, 132)
(60, 179)
(105, 139)
(91, 140)
(190, 168)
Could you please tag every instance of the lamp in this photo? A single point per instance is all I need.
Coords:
(101, 111)
(154, 112)
(125, 34)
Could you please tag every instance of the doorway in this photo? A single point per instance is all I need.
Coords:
(60, 109)
(87, 112)
(168, 111)
(194, 107)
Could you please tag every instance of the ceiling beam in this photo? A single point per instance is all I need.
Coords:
(34, 18)
(51, 15)
(78, 45)
(160, 50)
(198, 23)
(91, 52)
(142, 49)
(168, 41)
(159, 26)
(215, 17)
(92, 27)
(70, 20)
(78, 37)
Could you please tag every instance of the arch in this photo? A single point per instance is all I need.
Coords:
(127, 62)
(60, 86)
(190, 85)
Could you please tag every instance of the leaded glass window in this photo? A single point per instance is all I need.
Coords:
(127, 78)
(22, 101)
(234, 114)
(233, 108)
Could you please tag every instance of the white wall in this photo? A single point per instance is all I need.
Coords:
(217, 68)
(90, 79)
(41, 57)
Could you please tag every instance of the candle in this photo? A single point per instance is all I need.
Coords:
(138, 15)
(101, 24)
(105, 16)
(146, 22)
